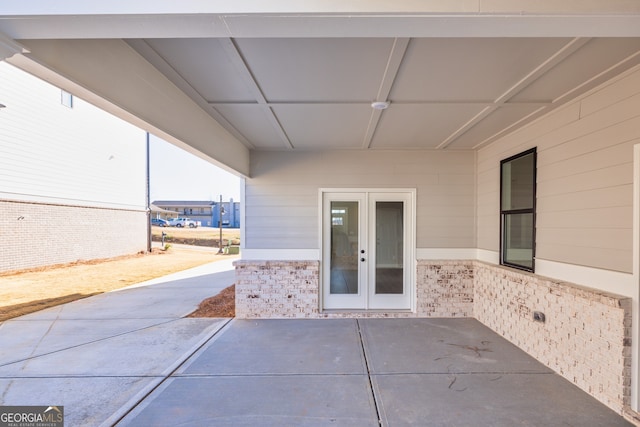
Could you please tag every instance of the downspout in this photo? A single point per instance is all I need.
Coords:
(148, 197)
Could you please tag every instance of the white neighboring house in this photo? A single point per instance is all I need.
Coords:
(72, 177)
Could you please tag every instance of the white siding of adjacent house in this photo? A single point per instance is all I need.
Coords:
(71, 156)
(585, 179)
(72, 180)
(282, 205)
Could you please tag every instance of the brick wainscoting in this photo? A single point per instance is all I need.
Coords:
(277, 289)
(444, 288)
(586, 335)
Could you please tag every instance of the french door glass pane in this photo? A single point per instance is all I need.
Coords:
(344, 248)
(389, 248)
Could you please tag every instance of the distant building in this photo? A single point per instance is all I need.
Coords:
(207, 212)
(73, 180)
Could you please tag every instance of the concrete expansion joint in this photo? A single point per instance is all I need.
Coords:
(35, 356)
(376, 401)
(168, 373)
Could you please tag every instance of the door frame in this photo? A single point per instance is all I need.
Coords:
(410, 256)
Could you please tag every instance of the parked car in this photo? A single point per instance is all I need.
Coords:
(159, 222)
(184, 222)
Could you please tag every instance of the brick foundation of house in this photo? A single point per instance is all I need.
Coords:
(585, 335)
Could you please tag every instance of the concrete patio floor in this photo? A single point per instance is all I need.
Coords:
(129, 358)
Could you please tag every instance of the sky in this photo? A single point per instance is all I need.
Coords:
(175, 174)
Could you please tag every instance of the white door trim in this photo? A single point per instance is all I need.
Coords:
(410, 238)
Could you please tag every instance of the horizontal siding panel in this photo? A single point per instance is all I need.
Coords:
(614, 176)
(587, 238)
(611, 94)
(620, 217)
(286, 185)
(488, 210)
(620, 196)
(613, 155)
(287, 232)
(460, 205)
(446, 190)
(262, 189)
(596, 142)
(489, 232)
(442, 226)
(261, 241)
(278, 221)
(445, 242)
(283, 212)
(527, 137)
(608, 259)
(286, 200)
(608, 117)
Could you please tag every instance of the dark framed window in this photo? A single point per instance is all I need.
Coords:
(518, 210)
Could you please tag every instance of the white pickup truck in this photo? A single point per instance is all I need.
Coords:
(184, 222)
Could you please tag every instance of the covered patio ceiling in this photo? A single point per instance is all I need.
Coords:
(224, 79)
(443, 93)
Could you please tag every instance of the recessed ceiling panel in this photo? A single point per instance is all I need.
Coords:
(421, 125)
(324, 126)
(253, 122)
(468, 69)
(320, 70)
(204, 64)
(494, 123)
(592, 59)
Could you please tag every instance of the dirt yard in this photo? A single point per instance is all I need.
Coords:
(29, 291)
(201, 236)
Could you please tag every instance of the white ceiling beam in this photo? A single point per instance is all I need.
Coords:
(9, 47)
(560, 55)
(234, 55)
(136, 7)
(394, 62)
(43, 19)
(468, 125)
(143, 48)
(605, 75)
(334, 103)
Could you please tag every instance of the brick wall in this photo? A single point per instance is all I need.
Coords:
(36, 235)
(585, 336)
(444, 288)
(277, 289)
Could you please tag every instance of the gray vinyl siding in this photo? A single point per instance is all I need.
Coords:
(281, 197)
(72, 156)
(585, 178)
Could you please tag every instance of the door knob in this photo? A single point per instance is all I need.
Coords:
(361, 251)
(362, 259)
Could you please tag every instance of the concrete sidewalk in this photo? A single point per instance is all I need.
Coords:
(129, 358)
(98, 357)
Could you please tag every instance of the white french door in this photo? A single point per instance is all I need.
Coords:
(368, 249)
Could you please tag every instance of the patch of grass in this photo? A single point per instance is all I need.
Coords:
(16, 310)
